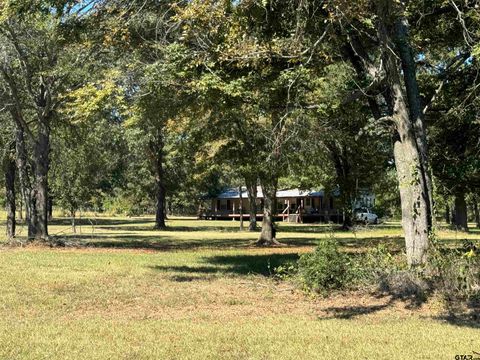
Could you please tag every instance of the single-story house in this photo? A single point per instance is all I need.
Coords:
(310, 205)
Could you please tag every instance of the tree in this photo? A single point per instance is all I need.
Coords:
(246, 63)
(391, 79)
(351, 150)
(454, 137)
(42, 53)
(9, 169)
(85, 157)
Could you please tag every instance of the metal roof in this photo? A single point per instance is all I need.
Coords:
(233, 193)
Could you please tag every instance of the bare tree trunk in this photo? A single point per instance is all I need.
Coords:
(461, 221)
(74, 224)
(447, 213)
(20, 208)
(415, 109)
(9, 168)
(414, 220)
(240, 208)
(252, 200)
(41, 157)
(160, 207)
(476, 212)
(409, 148)
(156, 149)
(26, 188)
(50, 208)
(340, 159)
(268, 233)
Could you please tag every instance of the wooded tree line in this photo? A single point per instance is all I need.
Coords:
(128, 104)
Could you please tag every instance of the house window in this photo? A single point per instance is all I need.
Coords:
(331, 202)
(308, 201)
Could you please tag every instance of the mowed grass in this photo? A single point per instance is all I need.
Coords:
(200, 290)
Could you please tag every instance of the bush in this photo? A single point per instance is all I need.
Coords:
(325, 269)
(286, 271)
(456, 273)
(375, 265)
(328, 269)
(453, 274)
(406, 285)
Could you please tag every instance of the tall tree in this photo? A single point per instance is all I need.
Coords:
(42, 52)
(7, 156)
(390, 77)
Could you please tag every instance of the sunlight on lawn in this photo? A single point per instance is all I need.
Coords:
(200, 290)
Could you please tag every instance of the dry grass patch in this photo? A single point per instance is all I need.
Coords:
(198, 292)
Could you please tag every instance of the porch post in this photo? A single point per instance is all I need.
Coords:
(288, 210)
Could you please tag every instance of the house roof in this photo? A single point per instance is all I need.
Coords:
(233, 193)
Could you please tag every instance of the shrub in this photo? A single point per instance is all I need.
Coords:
(328, 269)
(456, 273)
(406, 285)
(286, 271)
(375, 265)
(324, 269)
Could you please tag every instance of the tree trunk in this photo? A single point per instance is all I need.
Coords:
(415, 109)
(160, 208)
(20, 208)
(461, 220)
(268, 233)
(409, 147)
(252, 200)
(74, 224)
(26, 188)
(347, 218)
(476, 212)
(414, 219)
(9, 168)
(41, 158)
(340, 159)
(156, 148)
(50, 208)
(447, 213)
(240, 207)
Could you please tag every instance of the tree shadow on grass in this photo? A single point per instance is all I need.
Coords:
(160, 243)
(147, 223)
(408, 300)
(470, 319)
(150, 227)
(234, 265)
(350, 312)
(189, 278)
(164, 242)
(88, 221)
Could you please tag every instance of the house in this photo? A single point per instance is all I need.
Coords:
(291, 205)
(365, 199)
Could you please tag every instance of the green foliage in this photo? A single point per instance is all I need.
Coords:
(286, 271)
(87, 163)
(328, 268)
(375, 265)
(456, 273)
(123, 202)
(325, 269)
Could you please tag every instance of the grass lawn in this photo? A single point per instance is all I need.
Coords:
(201, 291)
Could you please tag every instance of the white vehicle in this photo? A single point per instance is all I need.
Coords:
(366, 216)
